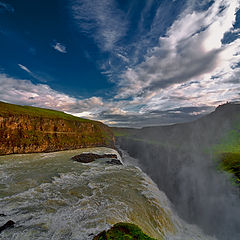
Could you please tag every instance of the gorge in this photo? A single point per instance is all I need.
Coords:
(48, 195)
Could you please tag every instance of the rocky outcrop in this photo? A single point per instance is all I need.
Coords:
(114, 162)
(29, 130)
(90, 157)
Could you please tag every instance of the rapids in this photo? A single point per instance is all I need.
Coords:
(50, 196)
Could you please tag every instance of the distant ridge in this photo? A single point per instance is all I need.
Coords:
(207, 128)
(216, 134)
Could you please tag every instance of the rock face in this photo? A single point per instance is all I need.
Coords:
(29, 129)
(90, 157)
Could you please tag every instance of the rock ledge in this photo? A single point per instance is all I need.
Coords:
(90, 157)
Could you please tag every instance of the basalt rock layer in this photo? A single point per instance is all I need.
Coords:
(26, 129)
(90, 157)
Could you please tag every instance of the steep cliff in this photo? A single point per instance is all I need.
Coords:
(25, 129)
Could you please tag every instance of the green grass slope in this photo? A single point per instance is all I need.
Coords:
(7, 110)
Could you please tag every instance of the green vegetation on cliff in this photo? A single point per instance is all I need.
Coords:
(227, 153)
(123, 231)
(25, 129)
(230, 162)
(7, 110)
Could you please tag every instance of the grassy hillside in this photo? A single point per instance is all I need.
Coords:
(25, 129)
(7, 110)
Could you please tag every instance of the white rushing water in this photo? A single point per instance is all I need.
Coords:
(49, 196)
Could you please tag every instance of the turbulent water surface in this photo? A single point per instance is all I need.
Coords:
(50, 196)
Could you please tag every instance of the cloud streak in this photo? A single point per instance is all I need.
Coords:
(59, 47)
(24, 68)
(102, 20)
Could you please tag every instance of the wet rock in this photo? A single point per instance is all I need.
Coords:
(115, 162)
(90, 157)
(102, 235)
(7, 225)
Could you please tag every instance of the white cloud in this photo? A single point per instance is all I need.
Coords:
(25, 92)
(191, 51)
(59, 47)
(102, 20)
(24, 68)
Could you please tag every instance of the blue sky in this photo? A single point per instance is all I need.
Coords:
(126, 63)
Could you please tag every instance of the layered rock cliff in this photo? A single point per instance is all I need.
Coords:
(26, 129)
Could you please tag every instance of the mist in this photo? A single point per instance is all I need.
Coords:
(178, 159)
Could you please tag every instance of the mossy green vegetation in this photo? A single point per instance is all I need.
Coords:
(230, 142)
(123, 231)
(230, 162)
(227, 153)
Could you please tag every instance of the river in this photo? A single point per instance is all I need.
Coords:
(49, 196)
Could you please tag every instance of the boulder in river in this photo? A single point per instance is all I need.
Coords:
(8, 224)
(90, 157)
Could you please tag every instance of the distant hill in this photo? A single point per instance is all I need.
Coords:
(217, 132)
(25, 129)
(209, 129)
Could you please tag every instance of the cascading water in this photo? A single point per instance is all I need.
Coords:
(50, 196)
(201, 194)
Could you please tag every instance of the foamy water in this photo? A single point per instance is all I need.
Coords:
(50, 196)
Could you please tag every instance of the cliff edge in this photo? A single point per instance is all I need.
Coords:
(25, 129)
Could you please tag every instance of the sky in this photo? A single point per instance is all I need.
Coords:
(127, 63)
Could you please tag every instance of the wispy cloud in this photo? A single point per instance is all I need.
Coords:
(5, 6)
(41, 77)
(59, 47)
(24, 68)
(102, 20)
